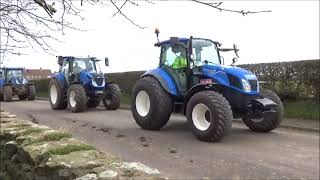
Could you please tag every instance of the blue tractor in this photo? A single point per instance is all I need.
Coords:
(13, 82)
(192, 79)
(78, 85)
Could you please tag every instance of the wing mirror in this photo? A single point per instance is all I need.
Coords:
(60, 60)
(106, 61)
(235, 48)
(234, 60)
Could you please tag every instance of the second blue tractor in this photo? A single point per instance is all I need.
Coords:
(78, 85)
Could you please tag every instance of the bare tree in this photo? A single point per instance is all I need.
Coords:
(26, 23)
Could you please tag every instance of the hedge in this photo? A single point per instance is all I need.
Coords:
(295, 79)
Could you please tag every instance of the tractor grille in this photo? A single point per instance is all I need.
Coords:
(234, 81)
(254, 85)
(99, 81)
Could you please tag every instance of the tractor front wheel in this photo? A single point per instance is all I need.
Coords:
(7, 93)
(265, 124)
(209, 116)
(111, 99)
(31, 92)
(56, 95)
(151, 106)
(77, 98)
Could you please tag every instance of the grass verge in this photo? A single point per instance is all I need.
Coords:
(71, 148)
(302, 109)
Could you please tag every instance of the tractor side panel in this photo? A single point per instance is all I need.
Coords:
(1, 85)
(164, 78)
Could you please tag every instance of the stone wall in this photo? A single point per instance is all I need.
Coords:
(33, 152)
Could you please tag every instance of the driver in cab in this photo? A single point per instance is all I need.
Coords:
(181, 60)
(76, 67)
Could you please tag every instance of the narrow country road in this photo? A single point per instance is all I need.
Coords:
(174, 151)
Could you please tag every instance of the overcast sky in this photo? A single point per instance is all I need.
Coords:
(290, 32)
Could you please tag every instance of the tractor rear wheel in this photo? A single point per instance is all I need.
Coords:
(7, 93)
(266, 124)
(209, 116)
(31, 92)
(93, 102)
(111, 99)
(151, 105)
(77, 98)
(56, 95)
(22, 96)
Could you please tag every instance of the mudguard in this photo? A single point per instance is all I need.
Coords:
(197, 88)
(61, 79)
(164, 79)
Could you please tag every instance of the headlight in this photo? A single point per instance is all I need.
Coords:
(246, 86)
(24, 81)
(94, 83)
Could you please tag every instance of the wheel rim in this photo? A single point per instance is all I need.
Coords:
(53, 94)
(199, 116)
(142, 103)
(72, 100)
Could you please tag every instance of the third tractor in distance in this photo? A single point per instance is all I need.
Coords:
(78, 85)
(13, 82)
(192, 79)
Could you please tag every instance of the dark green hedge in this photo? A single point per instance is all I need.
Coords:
(288, 79)
(293, 79)
(42, 85)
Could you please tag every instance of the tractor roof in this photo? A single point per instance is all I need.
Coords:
(73, 57)
(12, 68)
(182, 40)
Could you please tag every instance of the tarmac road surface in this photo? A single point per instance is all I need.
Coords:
(175, 152)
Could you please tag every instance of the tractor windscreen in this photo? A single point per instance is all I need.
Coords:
(84, 64)
(204, 51)
(14, 73)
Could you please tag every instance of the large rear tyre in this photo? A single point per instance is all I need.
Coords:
(111, 99)
(56, 95)
(209, 116)
(77, 98)
(7, 93)
(22, 97)
(151, 105)
(31, 92)
(266, 124)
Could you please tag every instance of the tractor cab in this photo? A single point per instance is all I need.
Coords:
(14, 76)
(185, 59)
(73, 67)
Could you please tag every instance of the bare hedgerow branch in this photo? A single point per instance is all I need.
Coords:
(32, 23)
(217, 5)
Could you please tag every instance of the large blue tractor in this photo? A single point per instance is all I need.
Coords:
(13, 82)
(78, 85)
(192, 79)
